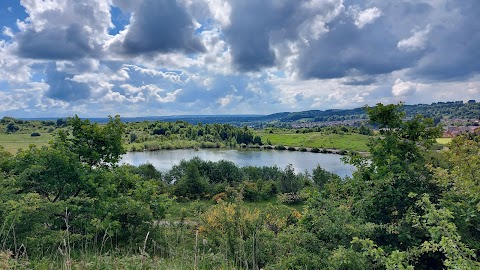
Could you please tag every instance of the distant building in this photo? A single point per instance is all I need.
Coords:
(453, 131)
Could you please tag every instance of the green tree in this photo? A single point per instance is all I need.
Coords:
(54, 173)
(11, 128)
(96, 145)
(320, 176)
(289, 182)
(191, 185)
(398, 161)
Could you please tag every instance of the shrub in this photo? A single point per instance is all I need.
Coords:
(35, 134)
(302, 149)
(291, 148)
(315, 150)
(288, 198)
(280, 147)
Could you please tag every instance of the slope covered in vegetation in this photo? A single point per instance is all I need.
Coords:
(69, 205)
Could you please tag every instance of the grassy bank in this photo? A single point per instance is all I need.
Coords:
(13, 142)
(353, 141)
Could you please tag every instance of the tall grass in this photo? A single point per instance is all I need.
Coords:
(171, 245)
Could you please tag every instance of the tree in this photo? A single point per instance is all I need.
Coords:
(96, 145)
(398, 166)
(320, 176)
(54, 173)
(11, 128)
(191, 185)
(289, 181)
(61, 122)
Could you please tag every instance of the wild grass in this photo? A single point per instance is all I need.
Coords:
(190, 211)
(351, 141)
(170, 245)
(15, 141)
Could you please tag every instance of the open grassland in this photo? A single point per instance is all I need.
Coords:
(444, 140)
(352, 141)
(13, 142)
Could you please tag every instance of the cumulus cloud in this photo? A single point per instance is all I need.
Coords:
(63, 29)
(401, 88)
(161, 26)
(258, 27)
(11, 102)
(213, 56)
(62, 86)
(417, 41)
(171, 76)
(220, 10)
(364, 17)
(149, 93)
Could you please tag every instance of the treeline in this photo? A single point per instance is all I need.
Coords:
(406, 207)
(13, 125)
(446, 110)
(339, 129)
(327, 115)
(180, 134)
(437, 111)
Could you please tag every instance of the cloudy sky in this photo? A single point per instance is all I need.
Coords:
(171, 57)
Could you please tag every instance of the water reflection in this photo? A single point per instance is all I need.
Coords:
(164, 160)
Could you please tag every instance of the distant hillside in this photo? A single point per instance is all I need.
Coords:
(445, 111)
(439, 111)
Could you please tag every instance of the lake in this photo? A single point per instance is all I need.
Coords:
(164, 160)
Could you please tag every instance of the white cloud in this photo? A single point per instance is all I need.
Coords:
(417, 41)
(7, 31)
(364, 17)
(228, 99)
(318, 27)
(172, 76)
(401, 88)
(170, 97)
(220, 10)
(12, 102)
(12, 68)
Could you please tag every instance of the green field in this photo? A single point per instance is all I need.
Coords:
(13, 142)
(444, 140)
(352, 141)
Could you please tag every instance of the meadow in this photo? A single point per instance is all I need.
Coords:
(13, 142)
(348, 141)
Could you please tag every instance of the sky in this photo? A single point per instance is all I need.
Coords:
(96, 58)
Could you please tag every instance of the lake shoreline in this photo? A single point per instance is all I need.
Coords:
(335, 151)
(165, 159)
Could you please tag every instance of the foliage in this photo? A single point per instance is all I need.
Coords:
(154, 135)
(63, 192)
(95, 145)
(289, 182)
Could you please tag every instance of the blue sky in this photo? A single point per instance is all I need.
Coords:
(164, 57)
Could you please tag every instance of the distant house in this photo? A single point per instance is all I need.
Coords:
(453, 131)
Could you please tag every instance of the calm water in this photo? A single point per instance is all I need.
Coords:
(164, 160)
